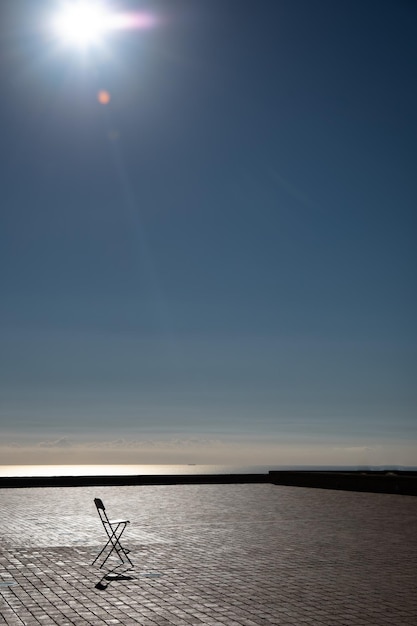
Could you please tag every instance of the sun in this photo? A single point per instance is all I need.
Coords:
(85, 24)
(82, 23)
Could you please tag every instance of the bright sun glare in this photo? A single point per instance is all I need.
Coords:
(82, 23)
(85, 23)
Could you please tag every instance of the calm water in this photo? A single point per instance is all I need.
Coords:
(153, 470)
(118, 470)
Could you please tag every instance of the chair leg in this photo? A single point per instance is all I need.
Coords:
(114, 545)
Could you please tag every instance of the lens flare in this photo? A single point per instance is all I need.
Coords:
(103, 96)
(133, 21)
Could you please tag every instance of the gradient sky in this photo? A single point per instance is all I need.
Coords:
(220, 264)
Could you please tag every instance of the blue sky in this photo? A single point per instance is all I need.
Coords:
(220, 263)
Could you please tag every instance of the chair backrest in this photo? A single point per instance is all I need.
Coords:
(101, 510)
(99, 504)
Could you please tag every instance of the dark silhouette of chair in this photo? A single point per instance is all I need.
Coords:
(114, 530)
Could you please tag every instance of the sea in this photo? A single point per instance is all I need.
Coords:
(129, 470)
(158, 470)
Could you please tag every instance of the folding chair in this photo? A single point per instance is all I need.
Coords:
(114, 530)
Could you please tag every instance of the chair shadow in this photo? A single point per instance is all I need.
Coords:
(112, 576)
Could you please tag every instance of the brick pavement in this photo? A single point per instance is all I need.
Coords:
(226, 555)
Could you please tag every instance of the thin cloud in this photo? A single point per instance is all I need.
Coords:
(57, 443)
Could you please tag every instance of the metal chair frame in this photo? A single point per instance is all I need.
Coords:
(114, 530)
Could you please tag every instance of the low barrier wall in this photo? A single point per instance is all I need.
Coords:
(376, 482)
(111, 481)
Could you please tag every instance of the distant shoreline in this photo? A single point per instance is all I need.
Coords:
(393, 482)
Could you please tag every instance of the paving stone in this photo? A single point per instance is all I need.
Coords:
(233, 555)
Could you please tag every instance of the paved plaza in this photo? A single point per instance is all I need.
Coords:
(235, 555)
